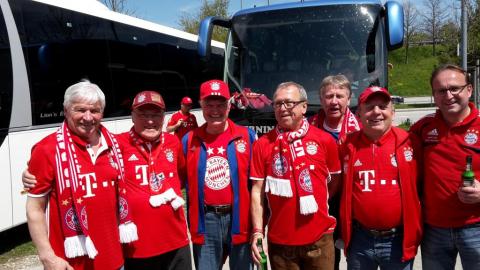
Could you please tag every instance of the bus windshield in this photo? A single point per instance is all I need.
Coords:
(305, 45)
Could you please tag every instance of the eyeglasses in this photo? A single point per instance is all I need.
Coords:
(287, 103)
(454, 90)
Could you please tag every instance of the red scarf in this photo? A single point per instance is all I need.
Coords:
(289, 169)
(349, 123)
(160, 190)
(73, 212)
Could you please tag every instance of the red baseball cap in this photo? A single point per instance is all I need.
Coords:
(214, 88)
(148, 97)
(186, 101)
(372, 90)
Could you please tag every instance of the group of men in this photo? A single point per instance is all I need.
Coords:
(392, 189)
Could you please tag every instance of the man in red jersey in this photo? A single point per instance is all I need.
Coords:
(380, 209)
(182, 121)
(336, 119)
(290, 167)
(452, 212)
(153, 168)
(73, 210)
(217, 157)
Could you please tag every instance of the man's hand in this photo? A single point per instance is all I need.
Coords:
(471, 194)
(29, 181)
(54, 262)
(255, 253)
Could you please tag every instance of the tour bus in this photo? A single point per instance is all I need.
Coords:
(47, 45)
(304, 42)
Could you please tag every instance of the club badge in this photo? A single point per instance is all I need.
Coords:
(83, 217)
(169, 155)
(393, 160)
(471, 137)
(123, 208)
(312, 148)
(156, 181)
(408, 153)
(71, 220)
(241, 146)
(279, 165)
(217, 176)
(305, 181)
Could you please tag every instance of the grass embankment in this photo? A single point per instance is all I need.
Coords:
(412, 79)
(15, 243)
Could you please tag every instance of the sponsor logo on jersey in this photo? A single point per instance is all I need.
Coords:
(432, 136)
(471, 137)
(217, 176)
(312, 148)
(358, 163)
(133, 158)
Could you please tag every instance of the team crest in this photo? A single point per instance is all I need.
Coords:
(312, 148)
(393, 160)
(408, 153)
(123, 207)
(169, 155)
(241, 146)
(83, 217)
(71, 220)
(215, 86)
(280, 165)
(471, 137)
(217, 176)
(305, 181)
(156, 181)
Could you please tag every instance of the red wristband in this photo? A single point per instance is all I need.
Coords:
(257, 230)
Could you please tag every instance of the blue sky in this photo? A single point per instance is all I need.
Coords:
(168, 12)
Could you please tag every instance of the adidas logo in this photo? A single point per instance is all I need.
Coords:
(133, 158)
(433, 132)
(357, 163)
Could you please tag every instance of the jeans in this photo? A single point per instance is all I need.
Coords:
(316, 256)
(218, 242)
(440, 247)
(367, 252)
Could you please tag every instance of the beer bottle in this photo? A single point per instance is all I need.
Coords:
(263, 261)
(468, 175)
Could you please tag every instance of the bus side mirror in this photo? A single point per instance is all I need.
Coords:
(205, 34)
(394, 24)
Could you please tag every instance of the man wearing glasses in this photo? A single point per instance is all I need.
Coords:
(451, 211)
(293, 166)
(217, 160)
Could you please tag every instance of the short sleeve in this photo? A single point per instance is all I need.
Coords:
(258, 163)
(41, 165)
(333, 159)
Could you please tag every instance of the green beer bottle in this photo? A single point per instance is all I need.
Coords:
(263, 261)
(468, 175)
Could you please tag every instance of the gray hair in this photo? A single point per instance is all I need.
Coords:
(301, 89)
(84, 91)
(340, 81)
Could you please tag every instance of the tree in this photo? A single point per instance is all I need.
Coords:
(474, 32)
(190, 22)
(118, 6)
(410, 26)
(433, 18)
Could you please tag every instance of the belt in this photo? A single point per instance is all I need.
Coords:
(378, 233)
(219, 209)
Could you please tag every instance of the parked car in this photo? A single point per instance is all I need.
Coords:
(397, 99)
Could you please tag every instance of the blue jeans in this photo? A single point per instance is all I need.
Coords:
(367, 252)
(440, 247)
(218, 241)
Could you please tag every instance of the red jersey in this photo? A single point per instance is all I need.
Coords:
(100, 199)
(218, 190)
(375, 184)
(160, 229)
(286, 225)
(189, 123)
(444, 152)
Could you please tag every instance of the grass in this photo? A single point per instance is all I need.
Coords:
(16, 243)
(412, 79)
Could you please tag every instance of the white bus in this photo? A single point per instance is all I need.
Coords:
(47, 45)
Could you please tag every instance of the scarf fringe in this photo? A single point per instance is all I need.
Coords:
(74, 246)
(308, 205)
(128, 232)
(279, 187)
(90, 247)
(163, 198)
(177, 202)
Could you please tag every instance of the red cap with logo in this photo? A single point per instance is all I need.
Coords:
(214, 88)
(148, 97)
(186, 101)
(372, 90)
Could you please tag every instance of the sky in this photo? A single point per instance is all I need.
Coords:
(168, 12)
